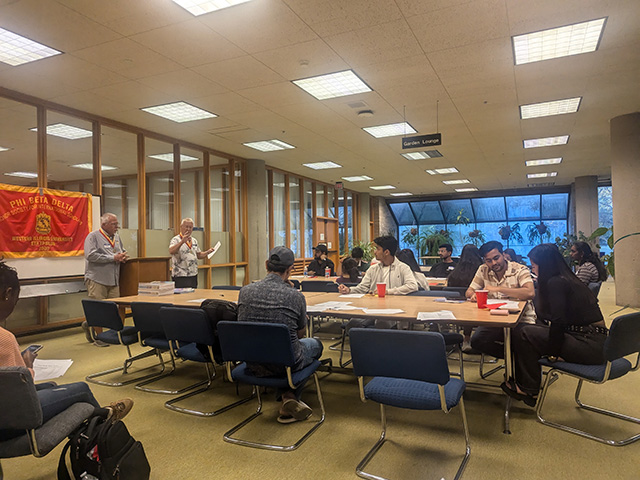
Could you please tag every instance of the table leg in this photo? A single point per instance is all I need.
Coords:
(508, 367)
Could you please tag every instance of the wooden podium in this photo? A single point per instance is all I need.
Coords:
(137, 270)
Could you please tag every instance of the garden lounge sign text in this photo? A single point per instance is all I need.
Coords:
(420, 141)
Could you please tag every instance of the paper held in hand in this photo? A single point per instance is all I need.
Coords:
(215, 249)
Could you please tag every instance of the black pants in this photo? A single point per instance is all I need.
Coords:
(186, 282)
(489, 340)
(529, 344)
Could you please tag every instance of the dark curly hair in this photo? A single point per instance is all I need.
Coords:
(8, 278)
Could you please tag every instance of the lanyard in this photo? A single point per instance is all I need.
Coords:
(189, 243)
(111, 242)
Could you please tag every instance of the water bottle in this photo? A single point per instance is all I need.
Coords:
(306, 271)
(327, 272)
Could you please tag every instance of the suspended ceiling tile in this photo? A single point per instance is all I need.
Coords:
(239, 73)
(277, 95)
(227, 104)
(183, 85)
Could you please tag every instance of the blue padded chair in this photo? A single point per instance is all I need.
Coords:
(266, 343)
(319, 286)
(623, 340)
(105, 314)
(295, 283)
(409, 370)
(595, 287)
(184, 327)
(21, 410)
(226, 287)
(461, 291)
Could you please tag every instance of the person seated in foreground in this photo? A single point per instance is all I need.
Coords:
(320, 262)
(395, 274)
(274, 300)
(357, 254)
(445, 266)
(53, 398)
(570, 325)
(350, 272)
(407, 256)
(590, 269)
(502, 279)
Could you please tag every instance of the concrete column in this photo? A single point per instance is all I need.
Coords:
(364, 217)
(257, 218)
(625, 172)
(586, 195)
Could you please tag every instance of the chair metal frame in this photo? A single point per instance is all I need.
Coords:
(230, 362)
(556, 370)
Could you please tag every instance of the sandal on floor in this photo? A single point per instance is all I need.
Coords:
(509, 387)
(284, 419)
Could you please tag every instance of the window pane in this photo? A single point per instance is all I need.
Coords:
(525, 207)
(319, 200)
(489, 209)
(341, 225)
(605, 214)
(191, 186)
(427, 212)
(308, 220)
(159, 192)
(219, 185)
(408, 238)
(294, 214)
(402, 213)
(240, 234)
(279, 226)
(457, 208)
(555, 205)
(15, 121)
(349, 241)
(331, 194)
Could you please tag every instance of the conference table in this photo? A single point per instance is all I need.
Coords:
(405, 308)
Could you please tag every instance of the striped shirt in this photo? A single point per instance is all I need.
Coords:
(588, 273)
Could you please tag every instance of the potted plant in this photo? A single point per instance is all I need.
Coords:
(510, 233)
(410, 236)
(538, 233)
(476, 237)
(430, 240)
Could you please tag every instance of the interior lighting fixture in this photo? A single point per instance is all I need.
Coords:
(545, 142)
(403, 194)
(543, 161)
(542, 175)
(558, 42)
(89, 166)
(112, 185)
(470, 189)
(200, 7)
(63, 130)
(357, 178)
(442, 171)
(322, 165)
(22, 174)
(422, 155)
(168, 157)
(269, 145)
(17, 50)
(390, 130)
(382, 187)
(546, 109)
(455, 182)
(179, 112)
(546, 184)
(4, 149)
(333, 85)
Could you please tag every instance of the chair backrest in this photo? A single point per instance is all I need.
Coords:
(146, 317)
(435, 293)
(19, 402)
(624, 337)
(226, 287)
(319, 286)
(595, 287)
(256, 342)
(295, 283)
(101, 313)
(461, 291)
(399, 354)
(187, 325)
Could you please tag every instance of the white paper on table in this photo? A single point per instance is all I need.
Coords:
(215, 249)
(197, 300)
(315, 308)
(346, 307)
(49, 369)
(508, 304)
(352, 295)
(382, 311)
(332, 304)
(441, 315)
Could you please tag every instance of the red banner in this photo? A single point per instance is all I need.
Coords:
(39, 222)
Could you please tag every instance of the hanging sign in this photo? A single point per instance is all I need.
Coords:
(338, 186)
(422, 141)
(40, 222)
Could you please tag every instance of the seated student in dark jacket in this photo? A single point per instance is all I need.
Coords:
(570, 325)
(357, 254)
(445, 266)
(320, 262)
(350, 273)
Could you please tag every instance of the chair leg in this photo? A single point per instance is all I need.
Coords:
(484, 375)
(465, 427)
(125, 370)
(342, 349)
(281, 448)
(616, 443)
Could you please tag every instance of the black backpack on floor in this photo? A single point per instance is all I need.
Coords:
(102, 450)
(217, 311)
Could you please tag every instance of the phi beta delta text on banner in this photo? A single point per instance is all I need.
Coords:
(39, 222)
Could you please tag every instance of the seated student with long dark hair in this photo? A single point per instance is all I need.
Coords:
(53, 398)
(407, 256)
(461, 276)
(590, 268)
(570, 325)
(350, 272)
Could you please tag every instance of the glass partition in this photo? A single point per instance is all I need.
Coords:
(18, 144)
(239, 207)
(294, 215)
(279, 224)
(192, 187)
(160, 221)
(220, 209)
(308, 220)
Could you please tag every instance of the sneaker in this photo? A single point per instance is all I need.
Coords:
(120, 409)
(87, 333)
(100, 343)
(296, 409)
(468, 349)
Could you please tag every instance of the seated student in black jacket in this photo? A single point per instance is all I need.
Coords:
(445, 266)
(320, 262)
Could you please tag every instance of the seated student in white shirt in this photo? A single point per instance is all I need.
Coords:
(407, 256)
(397, 275)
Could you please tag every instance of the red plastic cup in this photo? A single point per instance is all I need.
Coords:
(382, 289)
(481, 296)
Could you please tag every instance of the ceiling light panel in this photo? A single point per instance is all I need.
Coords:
(545, 142)
(546, 109)
(422, 155)
(333, 85)
(382, 187)
(390, 130)
(16, 50)
(200, 7)
(22, 174)
(66, 131)
(442, 171)
(168, 157)
(470, 189)
(179, 112)
(403, 194)
(558, 42)
(542, 175)
(89, 166)
(455, 182)
(322, 165)
(269, 145)
(357, 178)
(543, 161)
(4, 149)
